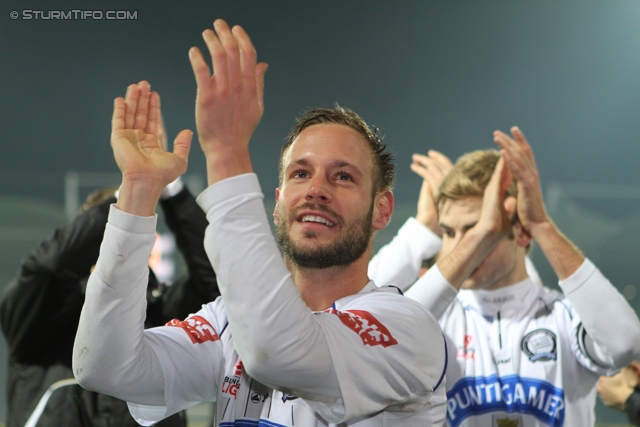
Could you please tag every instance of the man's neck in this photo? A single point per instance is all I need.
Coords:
(321, 287)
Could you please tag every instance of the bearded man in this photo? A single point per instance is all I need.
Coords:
(306, 341)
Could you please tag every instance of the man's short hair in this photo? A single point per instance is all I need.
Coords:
(384, 169)
(470, 176)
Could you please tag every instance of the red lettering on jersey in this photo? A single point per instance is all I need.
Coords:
(239, 367)
(230, 388)
(467, 340)
(198, 329)
(371, 331)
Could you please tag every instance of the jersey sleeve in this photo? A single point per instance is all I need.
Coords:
(398, 262)
(190, 355)
(381, 359)
(607, 330)
(110, 355)
(281, 342)
(433, 291)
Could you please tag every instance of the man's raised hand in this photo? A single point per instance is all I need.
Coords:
(135, 138)
(229, 102)
(432, 168)
(497, 208)
(518, 157)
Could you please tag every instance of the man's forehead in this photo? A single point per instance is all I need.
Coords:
(452, 209)
(328, 139)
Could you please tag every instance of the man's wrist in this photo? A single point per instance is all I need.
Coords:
(139, 197)
(226, 163)
(541, 229)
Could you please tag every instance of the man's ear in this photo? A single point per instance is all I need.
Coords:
(275, 210)
(382, 209)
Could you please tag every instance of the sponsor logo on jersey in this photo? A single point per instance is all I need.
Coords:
(371, 331)
(511, 394)
(466, 352)
(258, 397)
(197, 327)
(498, 300)
(230, 386)
(506, 421)
(540, 345)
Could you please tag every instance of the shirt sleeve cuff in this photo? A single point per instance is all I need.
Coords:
(578, 278)
(132, 223)
(228, 188)
(420, 232)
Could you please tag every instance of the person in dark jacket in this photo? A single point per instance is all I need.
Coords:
(40, 310)
(622, 391)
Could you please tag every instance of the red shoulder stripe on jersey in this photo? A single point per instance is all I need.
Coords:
(371, 331)
(198, 328)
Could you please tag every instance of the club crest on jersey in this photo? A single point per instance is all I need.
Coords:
(371, 331)
(540, 345)
(506, 421)
(197, 327)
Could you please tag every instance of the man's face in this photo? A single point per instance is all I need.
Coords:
(325, 212)
(500, 267)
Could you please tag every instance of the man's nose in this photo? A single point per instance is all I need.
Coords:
(318, 190)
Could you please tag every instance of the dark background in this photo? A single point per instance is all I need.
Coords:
(429, 74)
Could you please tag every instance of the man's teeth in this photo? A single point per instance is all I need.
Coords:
(312, 218)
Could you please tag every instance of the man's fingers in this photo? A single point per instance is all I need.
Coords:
(419, 170)
(232, 54)
(501, 176)
(182, 144)
(218, 55)
(117, 120)
(519, 137)
(162, 132)
(247, 57)
(153, 121)
(260, 71)
(142, 109)
(444, 163)
(512, 154)
(131, 103)
(200, 68)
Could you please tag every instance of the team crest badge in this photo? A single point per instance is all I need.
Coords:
(540, 345)
(507, 421)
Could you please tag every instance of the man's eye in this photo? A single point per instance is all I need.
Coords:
(300, 174)
(450, 233)
(343, 176)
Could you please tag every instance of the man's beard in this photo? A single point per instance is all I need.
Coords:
(351, 245)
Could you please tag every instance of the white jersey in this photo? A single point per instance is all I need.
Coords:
(520, 355)
(241, 400)
(362, 362)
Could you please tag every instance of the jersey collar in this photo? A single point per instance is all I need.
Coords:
(512, 297)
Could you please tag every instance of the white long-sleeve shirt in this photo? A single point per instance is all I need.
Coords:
(523, 353)
(375, 358)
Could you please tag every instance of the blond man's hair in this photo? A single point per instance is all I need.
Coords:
(470, 176)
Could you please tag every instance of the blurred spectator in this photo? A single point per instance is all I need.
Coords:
(622, 392)
(40, 310)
